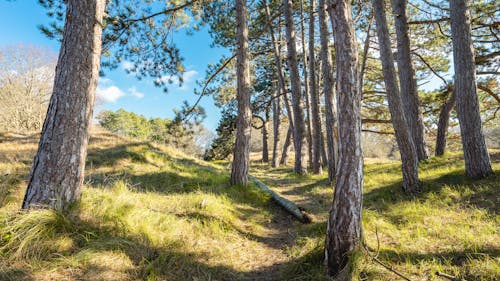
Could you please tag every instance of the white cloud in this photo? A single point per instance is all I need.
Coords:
(104, 81)
(134, 92)
(109, 94)
(126, 65)
(187, 77)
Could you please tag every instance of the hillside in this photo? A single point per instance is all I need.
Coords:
(149, 212)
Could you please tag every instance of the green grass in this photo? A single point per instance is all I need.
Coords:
(148, 212)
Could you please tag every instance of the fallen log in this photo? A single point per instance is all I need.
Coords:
(288, 205)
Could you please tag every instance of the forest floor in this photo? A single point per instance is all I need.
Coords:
(149, 212)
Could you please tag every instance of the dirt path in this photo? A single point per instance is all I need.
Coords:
(282, 231)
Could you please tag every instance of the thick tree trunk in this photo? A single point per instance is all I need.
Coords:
(58, 169)
(477, 160)
(306, 86)
(240, 166)
(313, 92)
(444, 120)
(265, 137)
(276, 128)
(287, 146)
(299, 135)
(344, 224)
(406, 146)
(409, 91)
(330, 103)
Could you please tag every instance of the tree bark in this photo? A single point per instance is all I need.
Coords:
(443, 123)
(477, 160)
(57, 173)
(240, 166)
(299, 136)
(344, 224)
(265, 137)
(286, 146)
(330, 109)
(408, 84)
(406, 146)
(306, 86)
(313, 92)
(276, 129)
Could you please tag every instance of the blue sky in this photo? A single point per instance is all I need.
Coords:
(18, 25)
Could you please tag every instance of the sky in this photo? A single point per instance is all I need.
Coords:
(18, 25)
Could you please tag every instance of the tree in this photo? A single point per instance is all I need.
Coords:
(407, 82)
(240, 165)
(57, 174)
(477, 160)
(276, 106)
(26, 77)
(343, 233)
(443, 122)
(299, 135)
(330, 110)
(406, 146)
(313, 92)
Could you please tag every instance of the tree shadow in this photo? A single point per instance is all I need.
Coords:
(481, 193)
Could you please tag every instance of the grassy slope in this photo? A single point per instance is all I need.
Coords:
(149, 212)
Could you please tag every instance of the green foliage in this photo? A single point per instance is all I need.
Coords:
(223, 144)
(138, 32)
(179, 132)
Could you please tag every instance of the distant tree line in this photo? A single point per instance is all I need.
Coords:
(182, 135)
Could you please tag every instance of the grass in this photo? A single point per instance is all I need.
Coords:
(148, 212)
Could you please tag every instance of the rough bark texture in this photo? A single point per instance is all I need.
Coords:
(58, 169)
(276, 129)
(344, 224)
(240, 166)
(306, 86)
(265, 137)
(286, 146)
(326, 68)
(313, 92)
(406, 146)
(444, 120)
(407, 82)
(477, 160)
(299, 136)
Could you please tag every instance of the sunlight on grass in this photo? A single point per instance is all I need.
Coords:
(149, 212)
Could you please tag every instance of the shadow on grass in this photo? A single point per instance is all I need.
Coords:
(481, 194)
(174, 260)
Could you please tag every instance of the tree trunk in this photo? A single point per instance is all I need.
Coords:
(265, 137)
(343, 233)
(281, 86)
(239, 171)
(477, 160)
(409, 91)
(299, 135)
(313, 92)
(406, 146)
(58, 169)
(324, 157)
(444, 120)
(276, 129)
(286, 146)
(330, 109)
(366, 48)
(306, 86)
